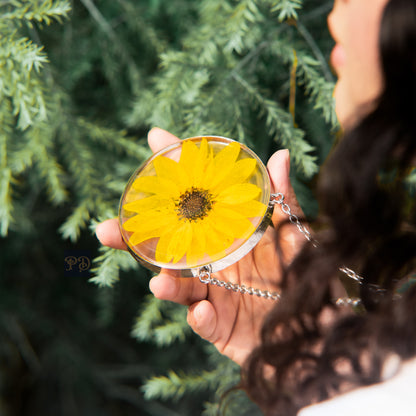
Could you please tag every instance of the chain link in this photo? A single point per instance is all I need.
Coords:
(351, 274)
(278, 198)
(204, 275)
(348, 302)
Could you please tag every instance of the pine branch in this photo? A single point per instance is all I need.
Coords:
(112, 35)
(243, 18)
(315, 85)
(151, 324)
(150, 316)
(316, 51)
(137, 20)
(21, 51)
(5, 200)
(18, 57)
(21, 158)
(320, 11)
(171, 332)
(280, 126)
(174, 386)
(108, 266)
(46, 163)
(40, 11)
(80, 159)
(286, 9)
(71, 228)
(114, 140)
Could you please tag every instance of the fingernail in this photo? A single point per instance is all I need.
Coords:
(98, 231)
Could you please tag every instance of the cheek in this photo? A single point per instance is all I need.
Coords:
(359, 83)
(345, 107)
(362, 70)
(365, 66)
(363, 79)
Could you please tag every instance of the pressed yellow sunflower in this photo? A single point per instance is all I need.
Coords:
(195, 206)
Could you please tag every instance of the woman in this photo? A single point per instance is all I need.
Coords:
(306, 349)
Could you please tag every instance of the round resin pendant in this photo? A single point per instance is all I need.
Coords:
(200, 203)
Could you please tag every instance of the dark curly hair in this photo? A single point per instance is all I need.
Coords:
(311, 348)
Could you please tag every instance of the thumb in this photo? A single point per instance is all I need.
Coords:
(279, 169)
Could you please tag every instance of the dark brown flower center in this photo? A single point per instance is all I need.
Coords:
(194, 204)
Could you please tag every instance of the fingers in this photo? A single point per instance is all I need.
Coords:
(279, 169)
(108, 232)
(183, 290)
(202, 318)
(164, 286)
(290, 239)
(159, 139)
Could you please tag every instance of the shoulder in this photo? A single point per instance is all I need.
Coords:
(394, 396)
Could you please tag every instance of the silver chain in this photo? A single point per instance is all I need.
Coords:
(348, 302)
(205, 277)
(278, 198)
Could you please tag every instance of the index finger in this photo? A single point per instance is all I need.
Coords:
(108, 232)
(159, 139)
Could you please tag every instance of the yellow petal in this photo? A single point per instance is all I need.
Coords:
(227, 156)
(188, 154)
(155, 185)
(215, 242)
(161, 254)
(140, 236)
(200, 164)
(179, 242)
(241, 171)
(230, 223)
(249, 209)
(171, 170)
(147, 204)
(222, 165)
(174, 243)
(194, 160)
(150, 221)
(196, 251)
(239, 193)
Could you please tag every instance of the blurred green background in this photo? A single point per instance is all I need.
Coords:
(81, 83)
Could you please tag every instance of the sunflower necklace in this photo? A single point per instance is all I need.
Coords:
(199, 206)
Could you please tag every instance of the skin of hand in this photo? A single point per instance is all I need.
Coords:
(229, 320)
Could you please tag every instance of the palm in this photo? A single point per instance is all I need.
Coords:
(239, 317)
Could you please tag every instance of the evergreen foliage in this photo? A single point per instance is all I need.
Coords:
(80, 84)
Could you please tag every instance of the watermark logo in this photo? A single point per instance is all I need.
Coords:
(77, 263)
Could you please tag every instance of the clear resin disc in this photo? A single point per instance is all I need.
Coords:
(201, 202)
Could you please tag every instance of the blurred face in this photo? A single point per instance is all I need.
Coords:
(355, 27)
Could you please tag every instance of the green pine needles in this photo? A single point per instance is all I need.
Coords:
(79, 89)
